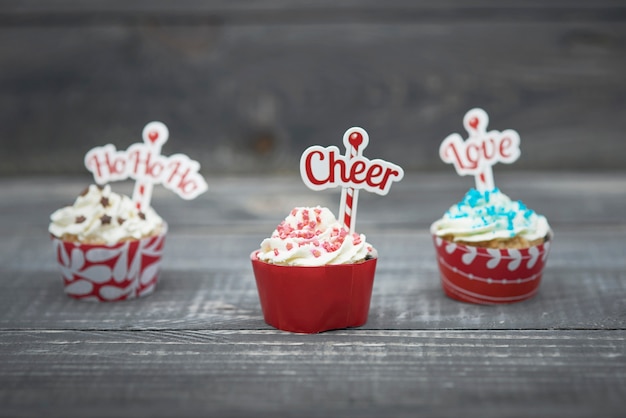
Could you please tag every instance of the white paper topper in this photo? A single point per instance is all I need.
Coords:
(325, 167)
(144, 163)
(481, 150)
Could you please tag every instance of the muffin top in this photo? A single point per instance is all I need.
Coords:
(313, 237)
(99, 216)
(490, 215)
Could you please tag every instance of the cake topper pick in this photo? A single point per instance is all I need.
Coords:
(481, 150)
(144, 163)
(325, 167)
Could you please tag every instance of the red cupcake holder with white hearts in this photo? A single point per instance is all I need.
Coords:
(490, 276)
(107, 273)
(314, 299)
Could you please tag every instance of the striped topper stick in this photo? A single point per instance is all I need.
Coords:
(325, 167)
(355, 140)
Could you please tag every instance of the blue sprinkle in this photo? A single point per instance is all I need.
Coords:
(521, 205)
(510, 216)
(476, 205)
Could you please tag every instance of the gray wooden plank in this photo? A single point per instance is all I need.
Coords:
(256, 204)
(248, 96)
(199, 347)
(286, 8)
(346, 374)
(207, 283)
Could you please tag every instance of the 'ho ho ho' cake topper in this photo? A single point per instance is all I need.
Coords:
(481, 150)
(325, 167)
(144, 163)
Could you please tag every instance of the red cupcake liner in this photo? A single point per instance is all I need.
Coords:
(490, 276)
(314, 299)
(106, 273)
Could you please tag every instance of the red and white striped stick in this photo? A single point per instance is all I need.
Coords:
(476, 121)
(154, 135)
(355, 140)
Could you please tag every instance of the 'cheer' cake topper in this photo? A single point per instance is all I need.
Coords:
(476, 155)
(144, 163)
(325, 167)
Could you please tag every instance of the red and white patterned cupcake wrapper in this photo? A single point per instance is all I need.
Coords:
(314, 299)
(105, 273)
(490, 276)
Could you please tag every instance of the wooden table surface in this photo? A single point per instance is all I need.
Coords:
(199, 347)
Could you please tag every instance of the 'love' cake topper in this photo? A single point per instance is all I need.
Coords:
(481, 150)
(144, 163)
(325, 167)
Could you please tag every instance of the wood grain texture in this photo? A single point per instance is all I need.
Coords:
(256, 204)
(347, 374)
(207, 280)
(198, 347)
(207, 283)
(246, 87)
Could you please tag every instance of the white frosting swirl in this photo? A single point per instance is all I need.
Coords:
(313, 237)
(488, 215)
(99, 216)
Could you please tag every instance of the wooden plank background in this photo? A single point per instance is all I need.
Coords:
(269, 374)
(199, 347)
(245, 86)
(208, 283)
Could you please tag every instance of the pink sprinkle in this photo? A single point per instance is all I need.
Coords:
(276, 251)
(289, 246)
(317, 210)
(294, 212)
(316, 253)
(316, 242)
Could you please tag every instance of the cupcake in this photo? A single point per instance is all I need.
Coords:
(106, 248)
(491, 249)
(313, 275)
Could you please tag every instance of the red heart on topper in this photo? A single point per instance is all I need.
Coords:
(355, 139)
(153, 135)
(473, 122)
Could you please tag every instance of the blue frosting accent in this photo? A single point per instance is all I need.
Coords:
(477, 204)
